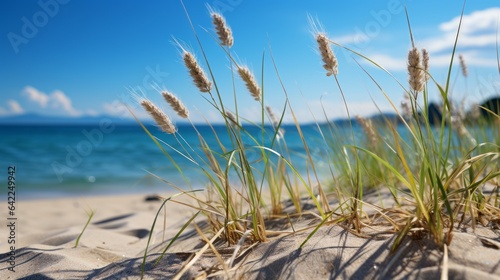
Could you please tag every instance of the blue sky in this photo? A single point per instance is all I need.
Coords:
(74, 58)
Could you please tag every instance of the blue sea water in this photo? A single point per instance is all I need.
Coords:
(72, 160)
(111, 158)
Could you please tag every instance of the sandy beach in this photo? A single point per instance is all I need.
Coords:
(113, 245)
(325, 140)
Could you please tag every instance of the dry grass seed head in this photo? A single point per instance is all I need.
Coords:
(196, 72)
(425, 63)
(406, 107)
(223, 30)
(176, 104)
(161, 119)
(274, 120)
(327, 55)
(465, 72)
(461, 130)
(272, 116)
(232, 118)
(416, 75)
(475, 111)
(250, 82)
(367, 126)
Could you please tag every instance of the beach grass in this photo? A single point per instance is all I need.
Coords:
(441, 174)
(90, 215)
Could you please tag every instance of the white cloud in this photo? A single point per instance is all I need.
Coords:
(471, 58)
(92, 113)
(56, 100)
(59, 100)
(36, 96)
(355, 38)
(207, 116)
(117, 109)
(478, 31)
(476, 21)
(446, 42)
(389, 62)
(14, 107)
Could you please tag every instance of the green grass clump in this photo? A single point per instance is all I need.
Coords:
(440, 173)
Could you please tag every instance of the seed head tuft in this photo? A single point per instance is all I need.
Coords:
(223, 30)
(406, 107)
(161, 119)
(367, 126)
(463, 66)
(462, 131)
(232, 118)
(196, 72)
(425, 63)
(250, 82)
(415, 72)
(327, 55)
(275, 121)
(176, 104)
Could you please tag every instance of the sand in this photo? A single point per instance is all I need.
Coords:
(113, 245)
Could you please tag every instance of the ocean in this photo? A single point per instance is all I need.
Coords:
(74, 160)
(116, 158)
